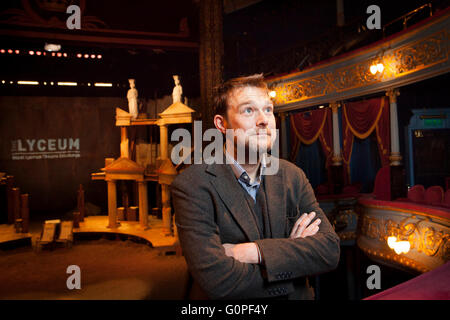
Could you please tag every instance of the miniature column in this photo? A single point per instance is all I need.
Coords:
(25, 212)
(10, 201)
(284, 146)
(337, 159)
(16, 209)
(124, 149)
(163, 141)
(143, 204)
(395, 144)
(165, 192)
(16, 203)
(80, 204)
(166, 209)
(112, 204)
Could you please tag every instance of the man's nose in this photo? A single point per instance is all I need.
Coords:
(262, 120)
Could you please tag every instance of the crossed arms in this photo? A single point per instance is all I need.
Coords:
(232, 271)
(248, 252)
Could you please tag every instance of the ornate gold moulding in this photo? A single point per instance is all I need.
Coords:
(416, 55)
(428, 236)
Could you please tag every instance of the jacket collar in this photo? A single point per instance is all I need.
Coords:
(226, 185)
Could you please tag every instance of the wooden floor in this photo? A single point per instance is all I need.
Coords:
(8, 235)
(154, 234)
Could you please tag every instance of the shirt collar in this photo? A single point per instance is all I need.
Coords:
(240, 172)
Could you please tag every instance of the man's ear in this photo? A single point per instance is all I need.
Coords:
(221, 123)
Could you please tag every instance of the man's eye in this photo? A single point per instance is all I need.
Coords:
(248, 110)
(269, 109)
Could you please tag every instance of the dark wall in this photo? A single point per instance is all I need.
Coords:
(53, 182)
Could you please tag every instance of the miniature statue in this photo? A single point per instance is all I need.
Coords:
(177, 90)
(132, 97)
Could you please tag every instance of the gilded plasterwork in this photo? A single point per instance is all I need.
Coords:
(431, 240)
(398, 62)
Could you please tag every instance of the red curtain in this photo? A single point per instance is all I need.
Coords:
(359, 119)
(326, 140)
(306, 128)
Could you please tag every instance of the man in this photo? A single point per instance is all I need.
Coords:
(243, 233)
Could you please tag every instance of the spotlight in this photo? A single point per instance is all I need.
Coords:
(59, 54)
(273, 94)
(52, 47)
(373, 69)
(65, 55)
(31, 52)
(79, 55)
(53, 54)
(321, 107)
(99, 56)
(17, 51)
(10, 51)
(34, 83)
(101, 84)
(92, 56)
(2, 51)
(86, 56)
(38, 53)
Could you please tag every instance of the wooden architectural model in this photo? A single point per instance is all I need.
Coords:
(124, 168)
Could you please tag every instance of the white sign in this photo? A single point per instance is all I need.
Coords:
(37, 149)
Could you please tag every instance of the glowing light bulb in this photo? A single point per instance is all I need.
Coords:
(273, 94)
(380, 67)
(405, 246)
(79, 55)
(373, 69)
(398, 246)
(31, 52)
(391, 241)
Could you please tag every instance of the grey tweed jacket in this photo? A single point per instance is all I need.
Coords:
(211, 209)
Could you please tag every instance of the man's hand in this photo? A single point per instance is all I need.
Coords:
(244, 252)
(302, 227)
(248, 252)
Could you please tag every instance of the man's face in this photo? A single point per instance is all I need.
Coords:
(251, 110)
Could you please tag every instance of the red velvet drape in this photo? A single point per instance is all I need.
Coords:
(306, 127)
(359, 119)
(326, 140)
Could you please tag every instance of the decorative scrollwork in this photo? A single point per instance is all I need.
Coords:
(426, 239)
(412, 57)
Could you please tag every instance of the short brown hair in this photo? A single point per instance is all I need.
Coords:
(223, 91)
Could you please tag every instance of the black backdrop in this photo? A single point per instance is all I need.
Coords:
(53, 183)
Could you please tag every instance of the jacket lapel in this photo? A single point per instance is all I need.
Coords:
(276, 205)
(232, 195)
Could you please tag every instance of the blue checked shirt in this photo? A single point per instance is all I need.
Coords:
(242, 176)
